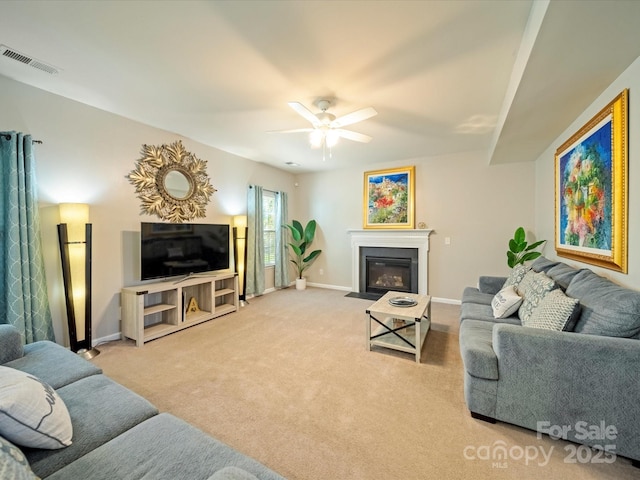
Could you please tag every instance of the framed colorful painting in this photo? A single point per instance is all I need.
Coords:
(389, 197)
(591, 190)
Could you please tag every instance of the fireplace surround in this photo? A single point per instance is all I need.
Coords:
(391, 239)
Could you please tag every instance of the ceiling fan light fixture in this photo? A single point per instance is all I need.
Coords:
(315, 138)
(332, 138)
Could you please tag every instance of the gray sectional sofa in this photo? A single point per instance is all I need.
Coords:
(580, 382)
(116, 434)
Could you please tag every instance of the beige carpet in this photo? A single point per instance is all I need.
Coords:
(288, 381)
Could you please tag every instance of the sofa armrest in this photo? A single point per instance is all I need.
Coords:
(492, 285)
(10, 344)
(569, 379)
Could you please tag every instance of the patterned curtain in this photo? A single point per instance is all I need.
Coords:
(255, 242)
(282, 253)
(23, 299)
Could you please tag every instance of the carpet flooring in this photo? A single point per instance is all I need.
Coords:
(288, 381)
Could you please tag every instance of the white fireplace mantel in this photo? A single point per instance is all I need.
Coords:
(393, 239)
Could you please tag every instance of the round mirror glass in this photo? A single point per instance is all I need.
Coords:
(177, 185)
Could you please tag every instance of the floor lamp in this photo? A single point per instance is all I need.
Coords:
(240, 254)
(74, 235)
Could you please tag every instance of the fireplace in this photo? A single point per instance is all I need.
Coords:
(383, 269)
(397, 241)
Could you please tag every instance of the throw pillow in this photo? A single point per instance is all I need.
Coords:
(533, 288)
(32, 413)
(517, 274)
(555, 311)
(13, 463)
(505, 302)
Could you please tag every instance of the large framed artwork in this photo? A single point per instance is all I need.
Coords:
(389, 197)
(591, 190)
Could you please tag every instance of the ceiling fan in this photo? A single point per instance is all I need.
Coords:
(326, 128)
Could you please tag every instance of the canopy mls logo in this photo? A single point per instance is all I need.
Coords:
(600, 438)
(583, 431)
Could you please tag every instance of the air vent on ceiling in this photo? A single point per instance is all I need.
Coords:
(9, 52)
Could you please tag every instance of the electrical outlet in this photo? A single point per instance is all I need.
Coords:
(321, 271)
(447, 240)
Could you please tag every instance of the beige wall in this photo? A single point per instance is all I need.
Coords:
(85, 157)
(461, 197)
(545, 189)
(87, 153)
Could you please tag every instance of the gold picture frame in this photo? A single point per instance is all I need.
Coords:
(389, 198)
(591, 190)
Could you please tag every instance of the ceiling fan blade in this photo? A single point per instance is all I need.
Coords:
(294, 130)
(305, 112)
(355, 136)
(354, 117)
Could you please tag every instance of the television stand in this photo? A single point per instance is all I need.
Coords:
(154, 310)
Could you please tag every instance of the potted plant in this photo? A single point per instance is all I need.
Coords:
(519, 251)
(301, 240)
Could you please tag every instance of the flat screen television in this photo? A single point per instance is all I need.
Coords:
(170, 249)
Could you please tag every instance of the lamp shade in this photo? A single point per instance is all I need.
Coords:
(75, 215)
(240, 221)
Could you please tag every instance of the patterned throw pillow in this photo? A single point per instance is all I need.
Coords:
(32, 413)
(505, 302)
(533, 288)
(13, 463)
(555, 311)
(517, 274)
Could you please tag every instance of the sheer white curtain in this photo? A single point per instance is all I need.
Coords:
(255, 242)
(282, 251)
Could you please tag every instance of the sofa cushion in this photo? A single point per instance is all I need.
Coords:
(555, 311)
(10, 343)
(506, 302)
(473, 295)
(100, 410)
(476, 348)
(161, 448)
(476, 311)
(543, 264)
(32, 414)
(54, 364)
(13, 464)
(607, 309)
(517, 274)
(533, 287)
(562, 274)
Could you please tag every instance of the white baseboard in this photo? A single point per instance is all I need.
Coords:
(109, 338)
(450, 301)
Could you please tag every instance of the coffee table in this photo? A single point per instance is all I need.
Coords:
(399, 328)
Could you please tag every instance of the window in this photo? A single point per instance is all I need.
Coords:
(269, 227)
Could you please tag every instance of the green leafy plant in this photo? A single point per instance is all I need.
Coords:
(301, 241)
(520, 251)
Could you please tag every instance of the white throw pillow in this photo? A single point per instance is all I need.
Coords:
(505, 302)
(32, 413)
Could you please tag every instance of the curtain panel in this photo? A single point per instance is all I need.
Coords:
(255, 242)
(23, 301)
(282, 253)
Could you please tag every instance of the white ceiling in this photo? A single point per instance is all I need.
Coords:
(503, 78)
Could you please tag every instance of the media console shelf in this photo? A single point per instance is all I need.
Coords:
(153, 310)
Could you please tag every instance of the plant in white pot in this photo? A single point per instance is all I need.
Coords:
(301, 241)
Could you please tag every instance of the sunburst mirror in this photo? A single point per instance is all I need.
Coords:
(171, 183)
